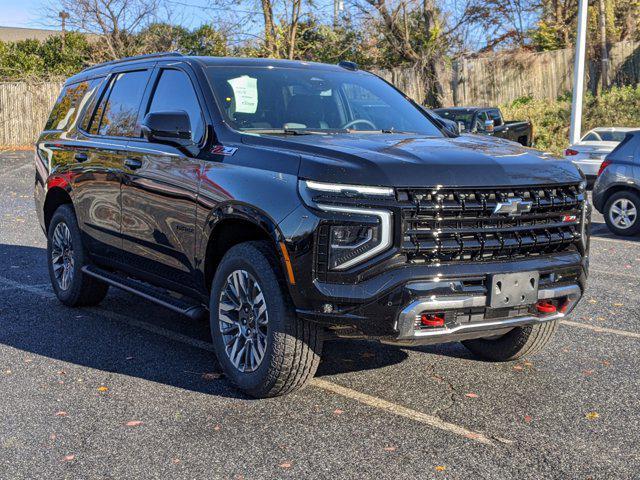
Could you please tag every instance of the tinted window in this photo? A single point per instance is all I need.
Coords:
(117, 113)
(174, 91)
(612, 136)
(275, 99)
(72, 99)
(480, 119)
(464, 116)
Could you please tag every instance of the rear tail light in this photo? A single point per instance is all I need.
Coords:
(604, 165)
(570, 152)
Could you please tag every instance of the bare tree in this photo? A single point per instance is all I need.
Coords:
(115, 21)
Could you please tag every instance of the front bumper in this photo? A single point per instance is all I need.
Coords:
(408, 334)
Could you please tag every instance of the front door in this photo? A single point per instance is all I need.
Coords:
(160, 187)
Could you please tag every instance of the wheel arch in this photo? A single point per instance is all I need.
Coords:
(55, 197)
(612, 190)
(230, 225)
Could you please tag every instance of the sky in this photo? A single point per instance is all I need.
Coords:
(30, 13)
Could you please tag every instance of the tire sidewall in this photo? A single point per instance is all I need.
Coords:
(65, 214)
(635, 200)
(247, 257)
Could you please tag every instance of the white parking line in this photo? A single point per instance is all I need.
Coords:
(401, 411)
(594, 328)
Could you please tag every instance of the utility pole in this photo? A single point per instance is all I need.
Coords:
(604, 54)
(578, 74)
(63, 17)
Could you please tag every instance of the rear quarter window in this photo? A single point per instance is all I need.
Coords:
(71, 101)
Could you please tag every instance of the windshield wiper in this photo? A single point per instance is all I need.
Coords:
(283, 131)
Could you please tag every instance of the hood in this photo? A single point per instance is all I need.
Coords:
(398, 160)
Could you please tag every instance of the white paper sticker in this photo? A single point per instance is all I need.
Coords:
(245, 89)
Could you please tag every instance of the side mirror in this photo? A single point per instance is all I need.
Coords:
(489, 126)
(171, 128)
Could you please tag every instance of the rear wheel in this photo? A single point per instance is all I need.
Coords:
(66, 257)
(621, 213)
(514, 344)
(261, 344)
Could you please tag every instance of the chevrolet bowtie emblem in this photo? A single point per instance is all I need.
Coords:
(513, 207)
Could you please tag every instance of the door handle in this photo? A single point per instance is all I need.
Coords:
(132, 163)
(81, 157)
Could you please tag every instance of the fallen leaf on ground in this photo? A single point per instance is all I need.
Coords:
(527, 363)
(527, 419)
(471, 395)
(211, 376)
(440, 468)
(68, 458)
(588, 372)
(285, 465)
(217, 427)
(337, 411)
(103, 389)
(606, 363)
(175, 461)
(518, 367)
(618, 304)
(592, 415)
(390, 449)
(61, 414)
(134, 423)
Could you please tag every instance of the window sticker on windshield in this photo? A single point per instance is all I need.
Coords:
(245, 89)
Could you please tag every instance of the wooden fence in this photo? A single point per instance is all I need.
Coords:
(24, 109)
(492, 80)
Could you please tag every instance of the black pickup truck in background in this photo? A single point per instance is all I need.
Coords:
(488, 121)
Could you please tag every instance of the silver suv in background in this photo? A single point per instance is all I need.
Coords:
(616, 193)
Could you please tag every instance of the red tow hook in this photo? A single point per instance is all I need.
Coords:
(432, 319)
(546, 307)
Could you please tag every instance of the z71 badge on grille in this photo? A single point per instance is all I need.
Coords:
(513, 207)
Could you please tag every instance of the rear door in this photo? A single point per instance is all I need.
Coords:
(104, 134)
(160, 186)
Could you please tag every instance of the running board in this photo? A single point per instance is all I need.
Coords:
(192, 310)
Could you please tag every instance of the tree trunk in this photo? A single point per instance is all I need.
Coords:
(270, 41)
(604, 54)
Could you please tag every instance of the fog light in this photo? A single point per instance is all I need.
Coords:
(432, 319)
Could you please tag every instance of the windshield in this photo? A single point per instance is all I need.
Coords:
(458, 116)
(292, 100)
(604, 136)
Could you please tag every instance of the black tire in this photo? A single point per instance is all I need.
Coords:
(515, 344)
(630, 196)
(82, 290)
(293, 346)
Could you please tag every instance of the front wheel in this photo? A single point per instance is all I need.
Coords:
(261, 344)
(514, 344)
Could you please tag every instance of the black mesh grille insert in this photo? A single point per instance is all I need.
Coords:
(447, 225)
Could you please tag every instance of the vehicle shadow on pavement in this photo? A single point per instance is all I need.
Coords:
(110, 337)
(600, 230)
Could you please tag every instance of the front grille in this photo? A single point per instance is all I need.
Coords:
(455, 225)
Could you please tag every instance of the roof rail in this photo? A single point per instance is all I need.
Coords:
(137, 57)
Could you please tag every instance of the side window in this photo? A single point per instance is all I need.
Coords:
(174, 91)
(72, 100)
(496, 117)
(117, 113)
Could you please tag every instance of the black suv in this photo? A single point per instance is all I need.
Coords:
(290, 202)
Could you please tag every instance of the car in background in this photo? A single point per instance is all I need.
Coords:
(591, 150)
(488, 121)
(616, 193)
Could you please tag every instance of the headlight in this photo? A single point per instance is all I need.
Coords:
(349, 190)
(350, 244)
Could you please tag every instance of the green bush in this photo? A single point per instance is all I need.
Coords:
(619, 107)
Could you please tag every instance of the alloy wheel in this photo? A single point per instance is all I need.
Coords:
(623, 213)
(62, 258)
(243, 321)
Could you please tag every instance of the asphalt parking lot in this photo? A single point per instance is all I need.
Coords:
(129, 390)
